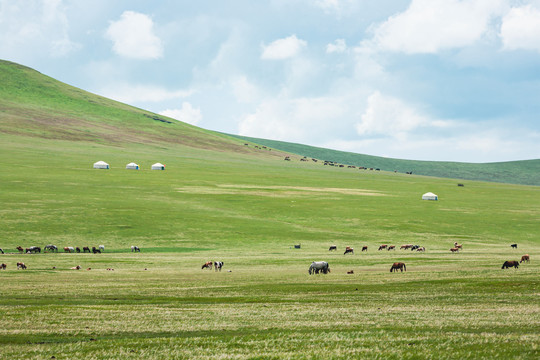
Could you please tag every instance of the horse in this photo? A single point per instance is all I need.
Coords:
(3, 266)
(364, 248)
(454, 249)
(96, 251)
(218, 265)
(78, 267)
(383, 247)
(421, 249)
(513, 246)
(333, 248)
(85, 249)
(1, 251)
(101, 248)
(69, 249)
(50, 247)
(405, 247)
(415, 247)
(207, 265)
(20, 249)
(350, 272)
(509, 264)
(398, 266)
(459, 246)
(317, 266)
(78, 249)
(525, 258)
(391, 247)
(348, 249)
(34, 249)
(20, 265)
(135, 249)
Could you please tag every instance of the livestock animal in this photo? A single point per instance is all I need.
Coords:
(207, 265)
(218, 265)
(2, 251)
(415, 247)
(319, 266)
(509, 264)
(350, 272)
(21, 265)
(459, 246)
(398, 266)
(348, 249)
(454, 249)
(78, 267)
(391, 247)
(297, 246)
(20, 249)
(78, 249)
(96, 251)
(525, 258)
(101, 248)
(3, 266)
(382, 247)
(514, 246)
(33, 249)
(69, 249)
(405, 247)
(86, 249)
(364, 248)
(332, 248)
(421, 249)
(50, 247)
(135, 249)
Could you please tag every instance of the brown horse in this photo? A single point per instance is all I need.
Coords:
(348, 249)
(405, 247)
(350, 272)
(509, 264)
(364, 248)
(382, 247)
(398, 266)
(20, 265)
(454, 249)
(207, 265)
(3, 266)
(391, 247)
(525, 258)
(20, 249)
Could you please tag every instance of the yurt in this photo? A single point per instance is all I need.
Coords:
(158, 166)
(101, 165)
(132, 166)
(429, 196)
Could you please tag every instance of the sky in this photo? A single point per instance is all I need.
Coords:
(444, 80)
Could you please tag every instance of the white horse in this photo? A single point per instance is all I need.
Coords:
(317, 266)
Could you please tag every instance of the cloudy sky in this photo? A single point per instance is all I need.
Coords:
(455, 80)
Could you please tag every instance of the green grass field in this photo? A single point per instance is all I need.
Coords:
(224, 201)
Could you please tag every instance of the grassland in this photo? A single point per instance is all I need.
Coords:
(222, 200)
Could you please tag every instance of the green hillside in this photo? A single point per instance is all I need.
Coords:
(526, 172)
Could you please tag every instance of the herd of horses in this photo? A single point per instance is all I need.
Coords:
(350, 250)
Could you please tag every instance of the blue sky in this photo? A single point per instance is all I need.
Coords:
(421, 79)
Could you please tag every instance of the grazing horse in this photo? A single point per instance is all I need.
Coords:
(415, 247)
(421, 249)
(96, 251)
(525, 258)
(454, 249)
(20, 249)
(218, 265)
(459, 246)
(405, 247)
(333, 248)
(101, 248)
(20, 265)
(3, 266)
(34, 249)
(348, 249)
(50, 247)
(135, 249)
(78, 249)
(364, 248)
(85, 249)
(69, 249)
(509, 264)
(207, 265)
(317, 266)
(350, 272)
(391, 247)
(398, 266)
(383, 247)
(514, 246)
(1, 251)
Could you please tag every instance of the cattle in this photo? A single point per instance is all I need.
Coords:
(78, 267)
(96, 251)
(509, 264)
(391, 247)
(398, 266)
(405, 247)
(319, 266)
(218, 265)
(382, 247)
(454, 249)
(332, 248)
(21, 265)
(364, 248)
(3, 266)
(525, 258)
(513, 246)
(86, 249)
(207, 265)
(135, 249)
(348, 249)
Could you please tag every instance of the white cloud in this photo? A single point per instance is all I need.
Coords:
(338, 46)
(282, 49)
(429, 26)
(244, 90)
(520, 29)
(133, 36)
(131, 94)
(187, 114)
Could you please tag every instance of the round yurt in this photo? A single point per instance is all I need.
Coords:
(132, 166)
(430, 196)
(101, 165)
(158, 166)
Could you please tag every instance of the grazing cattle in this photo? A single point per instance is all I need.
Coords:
(382, 247)
(102, 248)
(525, 258)
(50, 247)
(78, 267)
(398, 266)
(405, 247)
(218, 265)
(78, 249)
(319, 266)
(21, 265)
(514, 246)
(3, 266)
(96, 251)
(86, 249)
(332, 248)
(1, 251)
(391, 247)
(348, 249)
(509, 264)
(454, 249)
(350, 272)
(20, 249)
(421, 249)
(364, 248)
(207, 265)
(135, 249)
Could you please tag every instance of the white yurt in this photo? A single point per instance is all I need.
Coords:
(430, 196)
(158, 166)
(132, 166)
(101, 165)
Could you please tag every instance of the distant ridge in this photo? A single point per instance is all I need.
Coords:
(525, 172)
